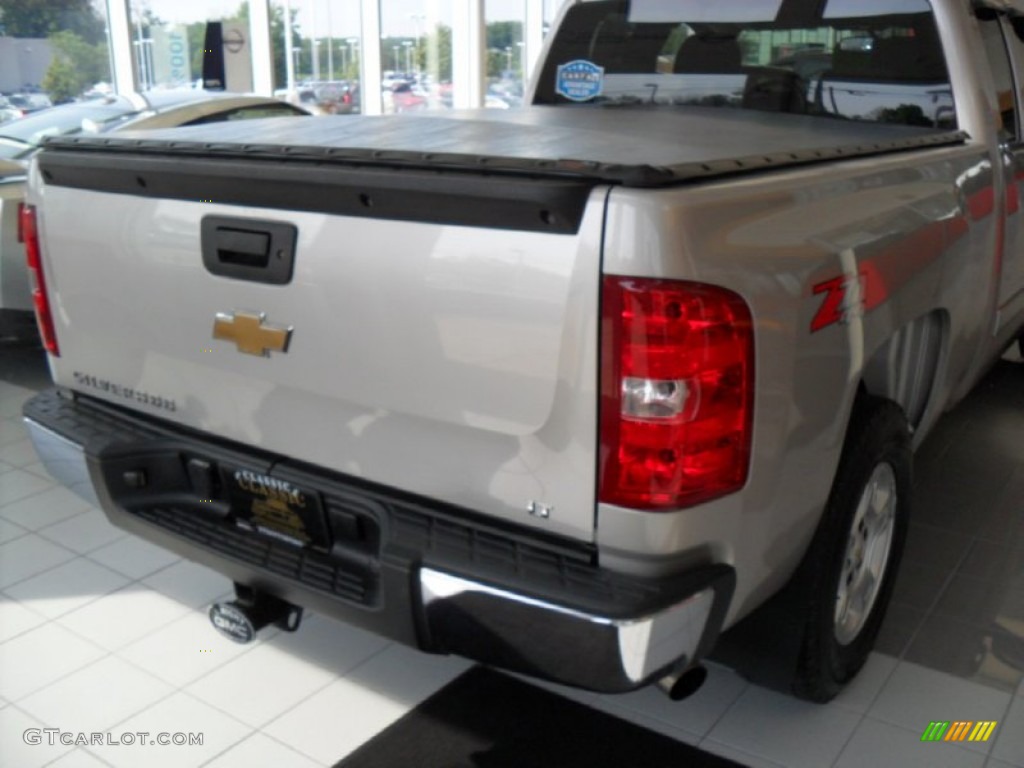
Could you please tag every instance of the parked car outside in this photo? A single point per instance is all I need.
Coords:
(29, 102)
(8, 113)
(405, 97)
(14, 281)
(348, 102)
(323, 97)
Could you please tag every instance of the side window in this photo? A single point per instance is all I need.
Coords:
(249, 113)
(999, 62)
(271, 110)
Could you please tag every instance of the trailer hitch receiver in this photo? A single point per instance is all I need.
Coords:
(240, 619)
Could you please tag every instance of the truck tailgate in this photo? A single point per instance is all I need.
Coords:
(452, 360)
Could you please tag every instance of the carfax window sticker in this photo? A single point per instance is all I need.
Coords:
(579, 80)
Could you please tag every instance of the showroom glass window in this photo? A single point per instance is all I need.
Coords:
(168, 37)
(43, 67)
(416, 55)
(844, 59)
(325, 54)
(551, 8)
(505, 75)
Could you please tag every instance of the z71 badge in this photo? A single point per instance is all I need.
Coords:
(848, 298)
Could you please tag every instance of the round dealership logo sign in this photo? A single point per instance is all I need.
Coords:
(233, 40)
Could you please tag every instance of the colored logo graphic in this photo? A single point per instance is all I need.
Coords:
(960, 730)
(579, 80)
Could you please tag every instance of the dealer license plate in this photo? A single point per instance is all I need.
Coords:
(277, 508)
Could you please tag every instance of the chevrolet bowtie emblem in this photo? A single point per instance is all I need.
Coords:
(249, 333)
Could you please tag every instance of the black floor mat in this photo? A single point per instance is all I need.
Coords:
(485, 719)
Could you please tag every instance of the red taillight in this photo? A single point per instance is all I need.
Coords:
(677, 382)
(29, 233)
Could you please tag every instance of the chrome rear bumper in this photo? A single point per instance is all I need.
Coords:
(63, 459)
(430, 579)
(562, 643)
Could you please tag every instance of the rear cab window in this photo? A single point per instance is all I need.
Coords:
(877, 61)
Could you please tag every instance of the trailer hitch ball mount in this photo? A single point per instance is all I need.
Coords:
(251, 610)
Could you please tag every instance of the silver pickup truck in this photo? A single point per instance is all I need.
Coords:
(566, 389)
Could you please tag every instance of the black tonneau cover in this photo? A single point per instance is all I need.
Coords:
(634, 146)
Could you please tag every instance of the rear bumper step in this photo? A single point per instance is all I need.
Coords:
(438, 578)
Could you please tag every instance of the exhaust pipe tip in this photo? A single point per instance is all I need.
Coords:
(681, 685)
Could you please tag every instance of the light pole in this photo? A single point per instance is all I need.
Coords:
(289, 52)
(25, 71)
(352, 43)
(314, 42)
(420, 21)
(144, 55)
(407, 44)
(140, 50)
(395, 62)
(330, 44)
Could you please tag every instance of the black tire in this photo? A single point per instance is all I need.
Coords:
(833, 651)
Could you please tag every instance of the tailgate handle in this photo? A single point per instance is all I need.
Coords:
(249, 249)
(239, 246)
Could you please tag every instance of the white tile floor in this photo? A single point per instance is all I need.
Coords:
(100, 631)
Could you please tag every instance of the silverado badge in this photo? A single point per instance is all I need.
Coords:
(249, 333)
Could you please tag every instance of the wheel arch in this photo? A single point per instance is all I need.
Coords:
(909, 367)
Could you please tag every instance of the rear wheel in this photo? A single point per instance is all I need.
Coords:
(848, 573)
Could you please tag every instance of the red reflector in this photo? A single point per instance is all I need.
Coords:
(33, 254)
(677, 382)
